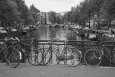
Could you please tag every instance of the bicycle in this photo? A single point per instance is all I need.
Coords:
(73, 56)
(3, 52)
(40, 53)
(46, 53)
(8, 51)
(70, 55)
(34, 58)
(18, 54)
(113, 56)
(94, 55)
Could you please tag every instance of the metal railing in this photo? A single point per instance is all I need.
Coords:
(62, 49)
(82, 46)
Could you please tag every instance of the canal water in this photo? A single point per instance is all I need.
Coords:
(61, 34)
(54, 33)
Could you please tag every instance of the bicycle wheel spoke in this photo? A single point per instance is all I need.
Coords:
(14, 59)
(1, 56)
(35, 58)
(74, 57)
(46, 56)
(92, 57)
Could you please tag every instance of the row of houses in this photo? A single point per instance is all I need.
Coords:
(44, 17)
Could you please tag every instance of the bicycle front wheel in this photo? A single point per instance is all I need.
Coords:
(35, 57)
(73, 57)
(14, 58)
(113, 53)
(1, 56)
(46, 56)
(93, 57)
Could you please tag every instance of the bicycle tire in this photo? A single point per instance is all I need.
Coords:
(90, 59)
(113, 55)
(58, 55)
(35, 57)
(46, 56)
(1, 56)
(114, 58)
(14, 58)
(74, 57)
(8, 51)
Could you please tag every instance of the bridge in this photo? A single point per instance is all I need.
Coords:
(62, 48)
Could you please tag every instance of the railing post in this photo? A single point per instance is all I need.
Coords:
(65, 53)
(43, 54)
(50, 48)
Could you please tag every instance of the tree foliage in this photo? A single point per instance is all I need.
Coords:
(26, 16)
(55, 17)
(99, 10)
(13, 12)
(35, 13)
(8, 14)
(52, 17)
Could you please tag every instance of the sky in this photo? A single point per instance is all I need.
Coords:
(53, 5)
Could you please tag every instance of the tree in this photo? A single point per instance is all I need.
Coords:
(52, 17)
(9, 14)
(25, 14)
(87, 10)
(35, 13)
(108, 11)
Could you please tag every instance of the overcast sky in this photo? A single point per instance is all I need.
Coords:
(53, 5)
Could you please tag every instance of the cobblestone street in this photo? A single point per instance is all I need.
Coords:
(27, 70)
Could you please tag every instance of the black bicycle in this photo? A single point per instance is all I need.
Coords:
(40, 53)
(8, 53)
(70, 55)
(35, 56)
(20, 52)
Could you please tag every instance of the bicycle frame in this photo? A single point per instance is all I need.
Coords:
(4, 49)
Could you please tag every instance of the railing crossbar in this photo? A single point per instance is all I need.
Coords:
(70, 42)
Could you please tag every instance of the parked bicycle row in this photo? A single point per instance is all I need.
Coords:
(41, 53)
(13, 51)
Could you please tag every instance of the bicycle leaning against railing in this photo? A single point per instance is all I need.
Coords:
(14, 51)
(95, 55)
(8, 53)
(66, 53)
(40, 53)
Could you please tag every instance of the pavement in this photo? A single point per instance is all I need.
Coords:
(56, 70)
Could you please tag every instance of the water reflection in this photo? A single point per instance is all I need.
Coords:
(55, 33)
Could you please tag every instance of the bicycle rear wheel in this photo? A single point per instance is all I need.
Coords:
(14, 58)
(58, 57)
(114, 58)
(73, 57)
(60, 54)
(1, 56)
(113, 55)
(46, 56)
(93, 57)
(35, 57)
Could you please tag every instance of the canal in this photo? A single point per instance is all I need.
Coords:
(67, 35)
(54, 33)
